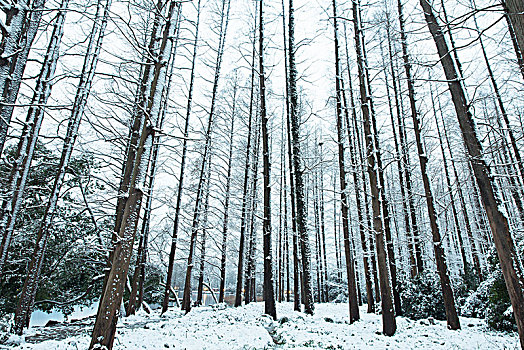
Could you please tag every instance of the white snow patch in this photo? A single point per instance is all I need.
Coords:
(247, 328)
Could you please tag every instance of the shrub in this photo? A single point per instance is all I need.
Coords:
(422, 297)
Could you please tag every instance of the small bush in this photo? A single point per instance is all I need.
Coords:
(491, 299)
(422, 297)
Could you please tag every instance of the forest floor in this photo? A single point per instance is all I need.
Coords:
(218, 327)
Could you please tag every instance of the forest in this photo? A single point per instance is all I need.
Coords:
(239, 174)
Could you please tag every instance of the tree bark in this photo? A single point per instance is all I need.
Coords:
(498, 222)
(269, 293)
(372, 154)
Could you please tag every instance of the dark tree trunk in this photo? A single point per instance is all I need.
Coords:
(227, 200)
(440, 257)
(301, 212)
(243, 220)
(269, 293)
(224, 21)
(372, 154)
(498, 222)
(354, 314)
(180, 188)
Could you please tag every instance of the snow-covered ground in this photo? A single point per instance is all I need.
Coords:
(248, 328)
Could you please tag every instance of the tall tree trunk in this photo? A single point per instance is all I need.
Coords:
(322, 223)
(301, 211)
(224, 21)
(250, 292)
(243, 219)
(105, 325)
(269, 293)
(354, 314)
(14, 49)
(440, 257)
(372, 154)
(225, 223)
(137, 290)
(180, 188)
(498, 222)
(11, 205)
(405, 151)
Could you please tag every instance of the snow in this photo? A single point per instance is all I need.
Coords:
(218, 327)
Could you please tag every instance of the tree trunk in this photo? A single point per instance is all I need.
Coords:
(243, 220)
(269, 293)
(354, 314)
(22, 35)
(225, 224)
(301, 212)
(498, 222)
(372, 154)
(107, 316)
(224, 21)
(174, 237)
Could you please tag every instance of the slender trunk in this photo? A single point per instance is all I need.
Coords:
(202, 260)
(224, 21)
(225, 224)
(105, 325)
(269, 293)
(249, 288)
(301, 212)
(27, 143)
(180, 188)
(322, 224)
(137, 291)
(243, 220)
(440, 257)
(354, 314)
(372, 155)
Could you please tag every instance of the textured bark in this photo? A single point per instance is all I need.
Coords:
(269, 293)
(107, 316)
(243, 219)
(16, 61)
(498, 222)
(296, 278)
(137, 291)
(11, 205)
(388, 313)
(354, 314)
(301, 213)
